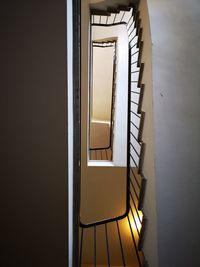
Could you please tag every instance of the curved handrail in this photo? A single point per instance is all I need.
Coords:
(129, 196)
(112, 104)
(87, 225)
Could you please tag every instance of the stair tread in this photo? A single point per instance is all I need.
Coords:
(124, 8)
(100, 12)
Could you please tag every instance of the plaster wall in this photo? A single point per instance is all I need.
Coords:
(33, 190)
(176, 94)
(150, 243)
(103, 193)
(101, 95)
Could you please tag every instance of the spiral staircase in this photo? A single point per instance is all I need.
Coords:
(118, 241)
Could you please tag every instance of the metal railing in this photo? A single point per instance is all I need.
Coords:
(105, 153)
(135, 182)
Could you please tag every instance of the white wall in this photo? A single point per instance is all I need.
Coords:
(176, 79)
(102, 83)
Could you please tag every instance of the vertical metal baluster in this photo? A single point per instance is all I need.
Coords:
(135, 207)
(134, 242)
(122, 16)
(122, 252)
(134, 190)
(81, 247)
(135, 53)
(129, 20)
(114, 18)
(129, 26)
(107, 245)
(107, 20)
(104, 152)
(95, 249)
(106, 155)
(136, 226)
(133, 160)
(135, 177)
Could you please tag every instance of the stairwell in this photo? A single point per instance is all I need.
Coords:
(118, 241)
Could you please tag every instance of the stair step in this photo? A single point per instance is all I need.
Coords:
(124, 8)
(113, 10)
(100, 12)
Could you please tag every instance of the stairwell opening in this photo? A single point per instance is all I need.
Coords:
(101, 99)
(105, 238)
(115, 154)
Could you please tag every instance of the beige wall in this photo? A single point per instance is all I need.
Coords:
(103, 193)
(99, 135)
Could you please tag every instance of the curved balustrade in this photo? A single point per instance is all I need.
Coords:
(133, 218)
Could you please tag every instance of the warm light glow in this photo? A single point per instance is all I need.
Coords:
(135, 222)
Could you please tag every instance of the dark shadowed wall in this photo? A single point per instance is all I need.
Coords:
(33, 134)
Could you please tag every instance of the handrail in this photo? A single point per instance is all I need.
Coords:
(113, 90)
(125, 214)
(128, 147)
(108, 25)
(134, 189)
